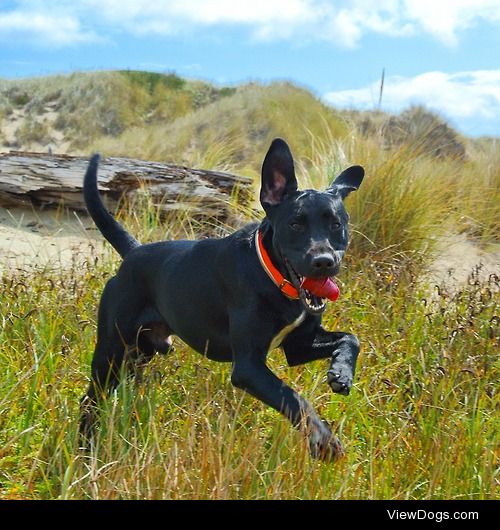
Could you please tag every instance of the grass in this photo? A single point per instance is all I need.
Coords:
(418, 424)
(90, 105)
(427, 166)
(238, 129)
(421, 421)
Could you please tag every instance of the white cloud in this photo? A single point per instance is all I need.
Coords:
(343, 22)
(266, 19)
(462, 96)
(443, 19)
(46, 29)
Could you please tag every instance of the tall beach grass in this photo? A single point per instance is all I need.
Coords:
(421, 420)
(419, 423)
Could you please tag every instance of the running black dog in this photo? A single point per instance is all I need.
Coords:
(229, 298)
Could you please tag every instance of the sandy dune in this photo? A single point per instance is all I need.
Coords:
(35, 239)
(30, 238)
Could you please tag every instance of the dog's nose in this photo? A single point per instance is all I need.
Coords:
(323, 263)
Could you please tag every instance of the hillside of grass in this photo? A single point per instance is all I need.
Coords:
(166, 117)
(424, 178)
(159, 117)
(68, 112)
(234, 132)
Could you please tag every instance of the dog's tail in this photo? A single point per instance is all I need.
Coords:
(121, 240)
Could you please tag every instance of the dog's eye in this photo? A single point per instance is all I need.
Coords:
(296, 225)
(331, 220)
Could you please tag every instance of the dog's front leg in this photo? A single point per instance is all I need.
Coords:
(340, 375)
(312, 342)
(251, 374)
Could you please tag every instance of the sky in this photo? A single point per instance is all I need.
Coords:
(444, 54)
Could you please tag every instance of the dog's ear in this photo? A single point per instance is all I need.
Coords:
(349, 180)
(278, 174)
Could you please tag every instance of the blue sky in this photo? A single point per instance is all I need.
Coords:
(441, 53)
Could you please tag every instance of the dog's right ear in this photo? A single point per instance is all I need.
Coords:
(278, 174)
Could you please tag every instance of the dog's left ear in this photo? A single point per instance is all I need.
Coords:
(278, 174)
(349, 180)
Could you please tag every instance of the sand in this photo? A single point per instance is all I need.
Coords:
(32, 238)
(457, 256)
(35, 239)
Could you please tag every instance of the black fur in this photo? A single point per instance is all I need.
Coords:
(215, 296)
(121, 240)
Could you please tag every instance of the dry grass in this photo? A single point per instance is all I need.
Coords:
(421, 421)
(233, 132)
(418, 424)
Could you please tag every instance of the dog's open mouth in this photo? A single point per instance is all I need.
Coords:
(314, 305)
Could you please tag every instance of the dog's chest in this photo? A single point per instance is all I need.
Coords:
(280, 336)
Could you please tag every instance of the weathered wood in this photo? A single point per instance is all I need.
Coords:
(53, 180)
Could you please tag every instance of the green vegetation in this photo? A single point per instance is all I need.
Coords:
(88, 106)
(151, 80)
(418, 424)
(420, 421)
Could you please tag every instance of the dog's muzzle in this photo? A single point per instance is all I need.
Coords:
(313, 304)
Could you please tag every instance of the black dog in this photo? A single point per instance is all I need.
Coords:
(217, 297)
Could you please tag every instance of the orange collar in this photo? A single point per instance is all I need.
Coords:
(278, 279)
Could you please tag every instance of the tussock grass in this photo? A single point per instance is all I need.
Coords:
(421, 419)
(418, 424)
(408, 199)
(399, 206)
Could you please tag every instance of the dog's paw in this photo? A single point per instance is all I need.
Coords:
(323, 444)
(339, 381)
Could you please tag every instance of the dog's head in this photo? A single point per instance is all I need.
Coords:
(310, 228)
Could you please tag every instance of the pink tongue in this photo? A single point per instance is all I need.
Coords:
(322, 287)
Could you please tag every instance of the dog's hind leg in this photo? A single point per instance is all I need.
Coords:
(105, 374)
(115, 332)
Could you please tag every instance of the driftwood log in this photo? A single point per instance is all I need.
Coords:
(51, 181)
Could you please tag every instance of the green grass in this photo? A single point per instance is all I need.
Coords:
(420, 422)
